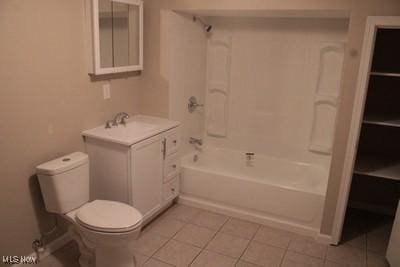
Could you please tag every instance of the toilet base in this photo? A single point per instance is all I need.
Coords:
(114, 256)
(86, 258)
(102, 256)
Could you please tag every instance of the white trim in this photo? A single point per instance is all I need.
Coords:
(50, 248)
(96, 36)
(247, 215)
(269, 13)
(129, 2)
(359, 101)
(324, 239)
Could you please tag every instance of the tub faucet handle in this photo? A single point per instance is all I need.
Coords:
(197, 141)
(193, 104)
(250, 155)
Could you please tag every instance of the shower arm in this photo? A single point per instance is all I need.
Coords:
(207, 27)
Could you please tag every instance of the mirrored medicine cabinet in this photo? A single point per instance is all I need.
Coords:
(117, 36)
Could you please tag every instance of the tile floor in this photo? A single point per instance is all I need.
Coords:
(186, 236)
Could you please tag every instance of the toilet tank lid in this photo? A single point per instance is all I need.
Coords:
(62, 164)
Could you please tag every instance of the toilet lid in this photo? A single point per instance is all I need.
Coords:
(109, 216)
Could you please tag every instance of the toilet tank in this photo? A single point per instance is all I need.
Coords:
(64, 182)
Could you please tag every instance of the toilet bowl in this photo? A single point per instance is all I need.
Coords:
(103, 229)
(106, 228)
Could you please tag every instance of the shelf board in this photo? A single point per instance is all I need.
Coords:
(382, 119)
(389, 74)
(381, 166)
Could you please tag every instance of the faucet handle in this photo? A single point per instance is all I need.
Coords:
(108, 124)
(124, 117)
(193, 104)
(120, 118)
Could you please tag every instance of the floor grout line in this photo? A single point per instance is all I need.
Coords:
(203, 249)
(157, 250)
(248, 244)
(172, 238)
(368, 254)
(283, 258)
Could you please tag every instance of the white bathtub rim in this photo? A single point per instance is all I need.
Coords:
(253, 217)
(321, 193)
(212, 149)
(187, 162)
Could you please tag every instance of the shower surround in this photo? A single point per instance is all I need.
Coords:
(270, 86)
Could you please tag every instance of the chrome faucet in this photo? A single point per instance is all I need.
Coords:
(124, 117)
(120, 118)
(196, 141)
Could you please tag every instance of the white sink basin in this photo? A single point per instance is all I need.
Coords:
(128, 130)
(137, 128)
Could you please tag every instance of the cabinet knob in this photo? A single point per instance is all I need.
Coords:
(174, 166)
(173, 190)
(175, 141)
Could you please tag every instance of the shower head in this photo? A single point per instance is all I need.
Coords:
(207, 27)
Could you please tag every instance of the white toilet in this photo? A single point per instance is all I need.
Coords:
(103, 228)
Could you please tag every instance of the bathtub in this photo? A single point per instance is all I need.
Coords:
(271, 191)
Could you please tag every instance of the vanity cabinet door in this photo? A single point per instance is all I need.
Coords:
(146, 172)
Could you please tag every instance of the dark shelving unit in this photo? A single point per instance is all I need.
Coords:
(379, 145)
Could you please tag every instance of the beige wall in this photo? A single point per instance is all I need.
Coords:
(46, 100)
(155, 94)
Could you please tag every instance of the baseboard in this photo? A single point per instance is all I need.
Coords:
(50, 248)
(324, 239)
(233, 212)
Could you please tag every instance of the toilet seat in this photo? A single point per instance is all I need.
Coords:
(109, 216)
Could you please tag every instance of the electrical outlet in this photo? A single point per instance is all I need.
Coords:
(106, 91)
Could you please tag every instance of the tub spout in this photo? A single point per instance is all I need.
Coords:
(196, 141)
(250, 159)
(250, 155)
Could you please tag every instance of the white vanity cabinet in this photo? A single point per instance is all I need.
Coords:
(171, 166)
(154, 173)
(144, 174)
